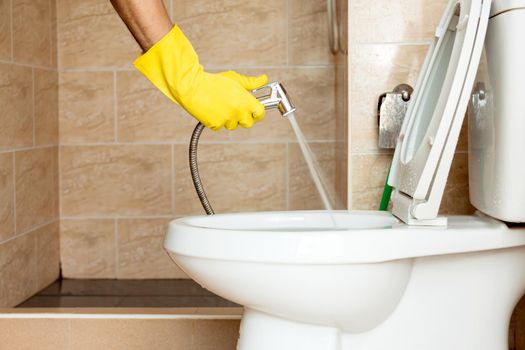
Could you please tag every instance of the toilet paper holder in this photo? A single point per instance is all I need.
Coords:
(391, 109)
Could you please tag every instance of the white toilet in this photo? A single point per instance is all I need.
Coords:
(411, 280)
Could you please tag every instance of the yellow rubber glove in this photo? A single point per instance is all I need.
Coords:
(216, 100)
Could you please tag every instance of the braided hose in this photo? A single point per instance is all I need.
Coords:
(194, 168)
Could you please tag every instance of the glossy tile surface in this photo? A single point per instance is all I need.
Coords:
(87, 248)
(81, 46)
(16, 99)
(5, 29)
(141, 251)
(36, 192)
(234, 32)
(394, 21)
(308, 33)
(46, 107)
(376, 69)
(32, 31)
(7, 214)
(86, 107)
(247, 177)
(123, 180)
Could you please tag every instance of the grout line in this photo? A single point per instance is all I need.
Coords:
(115, 107)
(33, 105)
(115, 217)
(165, 143)
(14, 191)
(59, 189)
(28, 65)
(28, 231)
(19, 149)
(116, 239)
(12, 32)
(50, 33)
(173, 183)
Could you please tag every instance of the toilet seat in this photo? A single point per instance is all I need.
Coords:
(431, 128)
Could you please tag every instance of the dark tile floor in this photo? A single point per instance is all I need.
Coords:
(125, 293)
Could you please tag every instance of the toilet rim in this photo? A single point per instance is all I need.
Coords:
(187, 237)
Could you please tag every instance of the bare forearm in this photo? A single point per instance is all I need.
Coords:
(147, 20)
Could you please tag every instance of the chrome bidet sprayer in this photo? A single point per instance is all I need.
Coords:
(275, 97)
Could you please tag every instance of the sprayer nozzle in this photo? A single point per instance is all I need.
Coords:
(275, 98)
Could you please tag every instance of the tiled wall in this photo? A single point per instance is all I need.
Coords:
(29, 239)
(130, 329)
(388, 43)
(123, 145)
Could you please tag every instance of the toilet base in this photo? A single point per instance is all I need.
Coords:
(260, 331)
(454, 302)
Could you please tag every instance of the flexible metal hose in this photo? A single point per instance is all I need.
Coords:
(194, 168)
(276, 98)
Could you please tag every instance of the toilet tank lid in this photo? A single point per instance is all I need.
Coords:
(500, 6)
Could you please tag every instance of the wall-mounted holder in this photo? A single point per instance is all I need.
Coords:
(391, 110)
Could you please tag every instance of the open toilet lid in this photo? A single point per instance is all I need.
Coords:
(431, 128)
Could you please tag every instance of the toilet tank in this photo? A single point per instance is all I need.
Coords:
(496, 117)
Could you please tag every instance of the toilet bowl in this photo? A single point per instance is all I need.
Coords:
(410, 279)
(371, 283)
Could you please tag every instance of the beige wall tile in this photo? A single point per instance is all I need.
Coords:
(236, 177)
(145, 114)
(46, 107)
(87, 248)
(141, 252)
(48, 254)
(369, 173)
(308, 33)
(456, 197)
(215, 335)
(7, 218)
(16, 99)
(131, 334)
(17, 270)
(5, 29)
(376, 69)
(302, 190)
(53, 44)
(32, 31)
(31, 334)
(36, 195)
(235, 32)
(341, 174)
(123, 180)
(86, 107)
(394, 21)
(90, 34)
(312, 92)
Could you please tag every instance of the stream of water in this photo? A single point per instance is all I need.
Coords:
(313, 166)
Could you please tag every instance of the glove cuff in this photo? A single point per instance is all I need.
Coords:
(168, 62)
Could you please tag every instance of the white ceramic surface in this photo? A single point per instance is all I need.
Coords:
(306, 285)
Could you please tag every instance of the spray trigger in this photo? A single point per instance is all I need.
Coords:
(273, 95)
